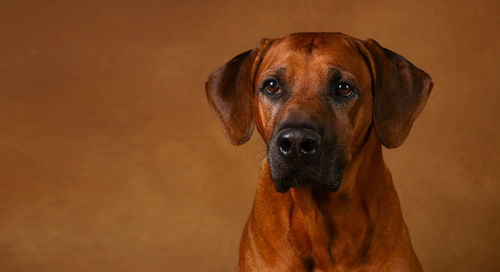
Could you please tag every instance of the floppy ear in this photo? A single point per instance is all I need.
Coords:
(400, 92)
(230, 93)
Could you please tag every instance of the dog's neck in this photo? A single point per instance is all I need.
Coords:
(351, 223)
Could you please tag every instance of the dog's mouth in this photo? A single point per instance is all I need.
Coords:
(301, 178)
(295, 178)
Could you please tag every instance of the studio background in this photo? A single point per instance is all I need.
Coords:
(112, 160)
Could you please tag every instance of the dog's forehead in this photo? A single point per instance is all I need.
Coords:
(316, 51)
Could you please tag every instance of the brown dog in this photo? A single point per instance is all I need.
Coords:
(323, 103)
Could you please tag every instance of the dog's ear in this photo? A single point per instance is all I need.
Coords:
(230, 92)
(400, 92)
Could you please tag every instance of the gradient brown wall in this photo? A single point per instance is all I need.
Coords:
(111, 159)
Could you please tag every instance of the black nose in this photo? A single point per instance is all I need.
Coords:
(297, 142)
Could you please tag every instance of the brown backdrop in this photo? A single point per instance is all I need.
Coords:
(111, 160)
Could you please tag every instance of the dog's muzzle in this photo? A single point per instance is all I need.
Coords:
(297, 157)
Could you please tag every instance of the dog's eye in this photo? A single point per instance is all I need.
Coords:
(272, 87)
(343, 89)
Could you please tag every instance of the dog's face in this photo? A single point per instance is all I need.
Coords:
(314, 98)
(312, 106)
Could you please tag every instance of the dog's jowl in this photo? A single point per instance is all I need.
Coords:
(324, 104)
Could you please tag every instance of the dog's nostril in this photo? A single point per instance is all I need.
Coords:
(285, 146)
(297, 142)
(308, 146)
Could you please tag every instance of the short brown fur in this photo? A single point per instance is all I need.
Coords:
(360, 227)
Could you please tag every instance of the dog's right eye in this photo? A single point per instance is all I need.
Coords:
(272, 87)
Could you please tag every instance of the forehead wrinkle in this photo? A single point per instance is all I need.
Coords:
(311, 45)
(304, 90)
(337, 72)
(342, 56)
(278, 71)
(308, 59)
(279, 56)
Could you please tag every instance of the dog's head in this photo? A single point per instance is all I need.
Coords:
(314, 98)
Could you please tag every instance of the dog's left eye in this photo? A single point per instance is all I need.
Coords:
(272, 86)
(343, 89)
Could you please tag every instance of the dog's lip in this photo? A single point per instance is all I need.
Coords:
(298, 177)
(335, 186)
(302, 178)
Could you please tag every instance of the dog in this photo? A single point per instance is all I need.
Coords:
(324, 104)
